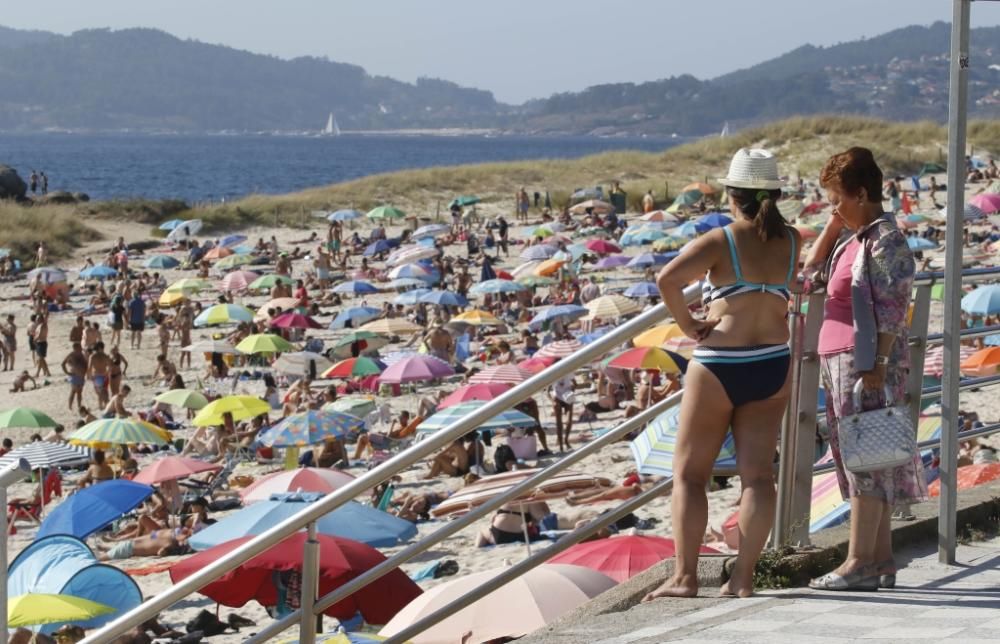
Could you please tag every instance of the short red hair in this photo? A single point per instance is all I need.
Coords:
(852, 170)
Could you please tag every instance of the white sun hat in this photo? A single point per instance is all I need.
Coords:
(753, 168)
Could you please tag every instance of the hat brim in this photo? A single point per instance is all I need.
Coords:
(766, 184)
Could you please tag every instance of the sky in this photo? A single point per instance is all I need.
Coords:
(518, 49)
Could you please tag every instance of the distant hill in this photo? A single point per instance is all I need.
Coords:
(144, 79)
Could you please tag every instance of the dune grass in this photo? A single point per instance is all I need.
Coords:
(60, 226)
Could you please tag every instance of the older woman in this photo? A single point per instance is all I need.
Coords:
(869, 274)
(739, 375)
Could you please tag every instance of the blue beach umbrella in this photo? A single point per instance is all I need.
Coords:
(653, 449)
(170, 225)
(94, 507)
(919, 243)
(356, 287)
(497, 286)
(503, 420)
(310, 427)
(344, 215)
(161, 261)
(443, 298)
(985, 300)
(351, 521)
(645, 260)
(642, 289)
(232, 240)
(561, 311)
(541, 251)
(687, 229)
(380, 246)
(98, 273)
(354, 317)
(410, 298)
(712, 220)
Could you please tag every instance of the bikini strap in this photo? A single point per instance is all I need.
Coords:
(732, 254)
(792, 264)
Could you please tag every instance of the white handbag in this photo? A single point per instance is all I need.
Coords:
(878, 439)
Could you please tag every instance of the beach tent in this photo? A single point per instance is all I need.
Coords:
(932, 168)
(64, 565)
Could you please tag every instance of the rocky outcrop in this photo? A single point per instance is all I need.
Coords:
(12, 186)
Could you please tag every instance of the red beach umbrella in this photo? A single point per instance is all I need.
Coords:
(537, 363)
(172, 468)
(603, 247)
(559, 349)
(340, 560)
(292, 320)
(969, 476)
(621, 557)
(465, 393)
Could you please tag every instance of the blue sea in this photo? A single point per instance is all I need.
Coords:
(212, 168)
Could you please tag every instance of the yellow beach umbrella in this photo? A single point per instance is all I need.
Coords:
(612, 306)
(478, 317)
(241, 408)
(668, 243)
(35, 609)
(189, 285)
(172, 298)
(658, 335)
(392, 326)
(264, 343)
(234, 261)
(549, 267)
(119, 431)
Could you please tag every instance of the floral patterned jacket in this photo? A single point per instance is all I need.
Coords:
(881, 285)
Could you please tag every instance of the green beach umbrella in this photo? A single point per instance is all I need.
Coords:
(535, 281)
(268, 281)
(463, 201)
(119, 431)
(185, 398)
(264, 343)
(234, 261)
(25, 417)
(359, 406)
(188, 284)
(386, 212)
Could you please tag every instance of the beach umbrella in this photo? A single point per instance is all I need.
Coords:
(185, 230)
(170, 225)
(304, 479)
(234, 261)
(469, 392)
(344, 215)
(185, 398)
(366, 342)
(293, 320)
(35, 609)
(386, 212)
(46, 275)
(612, 306)
(504, 373)
(594, 205)
(463, 201)
(658, 335)
(415, 271)
(98, 273)
(340, 560)
(984, 300)
(239, 407)
(712, 220)
(189, 285)
(268, 281)
(302, 363)
(359, 406)
(430, 231)
(645, 260)
(536, 363)
(488, 487)
(173, 468)
(538, 252)
(504, 420)
(621, 557)
(648, 358)
(602, 247)
(392, 326)
(539, 597)
(919, 243)
(25, 417)
(310, 427)
(497, 286)
(172, 298)
(376, 247)
(410, 298)
(477, 317)
(653, 449)
(559, 349)
(411, 254)
(416, 368)
(210, 346)
(264, 343)
(642, 289)
(223, 314)
(232, 240)
(525, 269)
(984, 362)
(934, 359)
(612, 261)
(443, 298)
(43, 455)
(355, 287)
(218, 252)
(279, 305)
(969, 476)
(352, 520)
(688, 229)
(354, 368)
(661, 216)
(92, 508)
(119, 431)
(988, 202)
(668, 244)
(161, 261)
(534, 281)
(354, 317)
(549, 267)
(238, 280)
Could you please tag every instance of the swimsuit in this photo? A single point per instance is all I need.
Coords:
(75, 381)
(122, 550)
(100, 382)
(751, 373)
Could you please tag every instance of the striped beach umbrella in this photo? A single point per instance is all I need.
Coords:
(648, 358)
(465, 393)
(354, 368)
(506, 373)
(264, 343)
(653, 449)
(612, 306)
(238, 280)
(934, 359)
(189, 285)
(538, 252)
(224, 314)
(310, 427)
(504, 420)
(41, 454)
(119, 431)
(359, 406)
(392, 326)
(234, 261)
(560, 349)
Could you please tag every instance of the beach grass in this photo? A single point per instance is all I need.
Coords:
(59, 225)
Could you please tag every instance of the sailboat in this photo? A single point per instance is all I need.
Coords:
(331, 129)
(725, 130)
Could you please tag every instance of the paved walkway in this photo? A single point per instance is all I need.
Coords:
(931, 603)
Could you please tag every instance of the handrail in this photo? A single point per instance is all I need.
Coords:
(312, 512)
(930, 278)
(451, 527)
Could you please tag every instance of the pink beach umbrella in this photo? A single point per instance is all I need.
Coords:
(536, 363)
(173, 468)
(987, 202)
(416, 367)
(502, 373)
(560, 349)
(237, 280)
(603, 247)
(466, 393)
(305, 479)
(292, 320)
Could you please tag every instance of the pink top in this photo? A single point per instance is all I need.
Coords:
(837, 333)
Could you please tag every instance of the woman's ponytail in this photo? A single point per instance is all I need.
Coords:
(762, 207)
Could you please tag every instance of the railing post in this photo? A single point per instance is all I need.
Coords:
(918, 348)
(310, 587)
(789, 431)
(12, 474)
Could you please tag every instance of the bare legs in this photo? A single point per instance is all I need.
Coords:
(868, 546)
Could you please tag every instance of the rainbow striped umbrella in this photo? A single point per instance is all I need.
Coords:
(650, 358)
(354, 367)
(653, 449)
(311, 427)
(119, 431)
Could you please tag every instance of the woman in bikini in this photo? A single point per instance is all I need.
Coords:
(116, 370)
(739, 374)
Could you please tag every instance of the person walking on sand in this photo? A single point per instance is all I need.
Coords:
(738, 377)
(136, 319)
(74, 365)
(182, 325)
(42, 345)
(8, 334)
(648, 202)
(42, 254)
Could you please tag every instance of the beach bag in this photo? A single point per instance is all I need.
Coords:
(878, 439)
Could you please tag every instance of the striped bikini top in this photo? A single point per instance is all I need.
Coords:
(741, 286)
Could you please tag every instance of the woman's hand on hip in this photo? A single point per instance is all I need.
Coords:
(699, 329)
(874, 379)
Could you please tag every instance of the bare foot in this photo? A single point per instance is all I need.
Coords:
(676, 586)
(732, 589)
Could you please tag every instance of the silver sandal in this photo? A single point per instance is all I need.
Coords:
(851, 581)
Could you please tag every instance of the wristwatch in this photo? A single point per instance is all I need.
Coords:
(881, 360)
